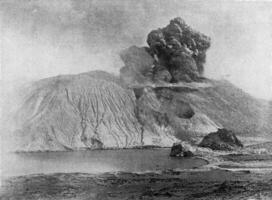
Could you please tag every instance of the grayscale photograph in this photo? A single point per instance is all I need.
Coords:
(136, 100)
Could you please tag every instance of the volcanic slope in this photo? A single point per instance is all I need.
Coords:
(89, 110)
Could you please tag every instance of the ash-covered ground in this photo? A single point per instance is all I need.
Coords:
(210, 184)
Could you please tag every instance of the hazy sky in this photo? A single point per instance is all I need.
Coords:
(42, 38)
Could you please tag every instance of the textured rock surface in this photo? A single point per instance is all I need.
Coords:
(191, 112)
(78, 111)
(221, 140)
(93, 110)
(89, 110)
(162, 111)
(155, 121)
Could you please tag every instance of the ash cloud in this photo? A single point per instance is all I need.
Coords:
(46, 38)
(175, 53)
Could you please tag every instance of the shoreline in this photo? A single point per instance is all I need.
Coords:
(256, 145)
(226, 175)
(97, 149)
(171, 184)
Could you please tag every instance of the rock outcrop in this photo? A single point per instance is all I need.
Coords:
(181, 150)
(223, 139)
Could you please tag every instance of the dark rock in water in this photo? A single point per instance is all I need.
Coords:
(223, 139)
(188, 154)
(176, 150)
(179, 150)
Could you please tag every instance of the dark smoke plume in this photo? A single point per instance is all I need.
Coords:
(175, 53)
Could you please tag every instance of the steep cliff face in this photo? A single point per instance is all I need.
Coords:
(162, 112)
(233, 108)
(189, 112)
(89, 110)
(155, 121)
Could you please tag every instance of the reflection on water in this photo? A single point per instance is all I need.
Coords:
(98, 161)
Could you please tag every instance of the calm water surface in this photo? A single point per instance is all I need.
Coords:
(98, 161)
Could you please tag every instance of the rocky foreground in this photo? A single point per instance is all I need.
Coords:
(210, 184)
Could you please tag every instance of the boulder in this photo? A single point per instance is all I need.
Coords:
(181, 150)
(188, 154)
(223, 139)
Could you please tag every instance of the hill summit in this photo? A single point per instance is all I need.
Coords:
(160, 98)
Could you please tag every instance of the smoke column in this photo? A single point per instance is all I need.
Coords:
(47, 38)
